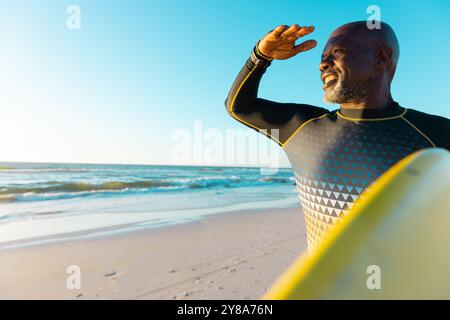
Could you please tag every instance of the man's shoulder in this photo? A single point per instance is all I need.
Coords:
(436, 128)
(425, 118)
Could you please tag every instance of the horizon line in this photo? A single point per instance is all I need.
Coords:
(137, 164)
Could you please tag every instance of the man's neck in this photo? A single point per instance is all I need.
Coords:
(379, 101)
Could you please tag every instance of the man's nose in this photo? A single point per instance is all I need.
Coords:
(325, 64)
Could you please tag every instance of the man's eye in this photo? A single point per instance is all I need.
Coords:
(338, 50)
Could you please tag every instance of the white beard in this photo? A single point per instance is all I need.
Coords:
(340, 93)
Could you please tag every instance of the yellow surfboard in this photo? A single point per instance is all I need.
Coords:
(394, 245)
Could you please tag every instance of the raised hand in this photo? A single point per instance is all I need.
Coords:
(280, 43)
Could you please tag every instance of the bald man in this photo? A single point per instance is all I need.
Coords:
(335, 155)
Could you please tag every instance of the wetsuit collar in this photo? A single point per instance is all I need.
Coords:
(394, 110)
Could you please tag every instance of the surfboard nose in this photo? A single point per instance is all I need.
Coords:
(393, 245)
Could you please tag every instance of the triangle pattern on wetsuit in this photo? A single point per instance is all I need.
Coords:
(334, 160)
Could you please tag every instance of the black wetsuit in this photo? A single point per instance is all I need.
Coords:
(335, 155)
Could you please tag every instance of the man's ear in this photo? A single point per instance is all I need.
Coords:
(383, 57)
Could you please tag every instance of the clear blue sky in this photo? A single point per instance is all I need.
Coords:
(114, 91)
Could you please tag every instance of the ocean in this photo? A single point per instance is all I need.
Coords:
(44, 201)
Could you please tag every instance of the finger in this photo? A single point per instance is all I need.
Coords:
(304, 31)
(291, 30)
(305, 46)
(278, 30)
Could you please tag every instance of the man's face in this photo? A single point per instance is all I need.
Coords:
(346, 68)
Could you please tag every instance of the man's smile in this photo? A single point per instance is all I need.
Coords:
(329, 79)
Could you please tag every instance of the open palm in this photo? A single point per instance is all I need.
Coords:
(280, 43)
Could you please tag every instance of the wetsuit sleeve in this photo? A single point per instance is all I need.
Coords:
(276, 120)
(435, 129)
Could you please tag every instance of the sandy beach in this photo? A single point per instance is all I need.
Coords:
(235, 255)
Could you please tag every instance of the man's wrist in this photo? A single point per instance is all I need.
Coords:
(261, 55)
(259, 59)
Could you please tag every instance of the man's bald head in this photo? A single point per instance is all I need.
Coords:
(364, 58)
(373, 38)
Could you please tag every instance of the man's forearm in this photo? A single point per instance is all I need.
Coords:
(244, 90)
